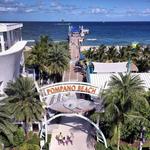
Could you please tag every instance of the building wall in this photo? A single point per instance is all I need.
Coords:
(10, 66)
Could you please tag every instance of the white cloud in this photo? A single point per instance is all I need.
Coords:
(131, 12)
(99, 11)
(8, 9)
(28, 10)
(54, 4)
(146, 12)
(6, 1)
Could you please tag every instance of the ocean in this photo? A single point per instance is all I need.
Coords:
(108, 33)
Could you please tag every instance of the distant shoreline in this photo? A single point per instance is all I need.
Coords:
(107, 33)
(76, 21)
(82, 48)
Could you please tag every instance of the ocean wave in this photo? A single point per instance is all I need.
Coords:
(92, 39)
(62, 24)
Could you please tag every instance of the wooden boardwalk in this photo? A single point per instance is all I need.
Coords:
(71, 74)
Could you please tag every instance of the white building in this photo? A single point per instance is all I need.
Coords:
(102, 80)
(11, 50)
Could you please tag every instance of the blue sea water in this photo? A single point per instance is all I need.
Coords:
(109, 33)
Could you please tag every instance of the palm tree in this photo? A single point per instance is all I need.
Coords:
(49, 57)
(122, 100)
(112, 54)
(88, 53)
(123, 54)
(23, 102)
(57, 60)
(100, 54)
(38, 53)
(7, 128)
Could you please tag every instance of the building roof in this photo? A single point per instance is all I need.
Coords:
(101, 80)
(112, 67)
(9, 26)
(15, 48)
(75, 29)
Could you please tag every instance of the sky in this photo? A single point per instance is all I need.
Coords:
(75, 10)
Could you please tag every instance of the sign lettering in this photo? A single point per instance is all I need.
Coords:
(80, 87)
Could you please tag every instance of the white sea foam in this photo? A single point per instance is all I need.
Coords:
(92, 39)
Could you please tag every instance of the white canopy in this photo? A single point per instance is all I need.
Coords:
(110, 67)
(101, 80)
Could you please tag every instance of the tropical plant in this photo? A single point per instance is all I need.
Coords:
(57, 60)
(139, 55)
(123, 54)
(46, 146)
(21, 143)
(19, 137)
(7, 128)
(101, 54)
(49, 57)
(23, 101)
(100, 146)
(123, 100)
(112, 54)
(38, 54)
(88, 53)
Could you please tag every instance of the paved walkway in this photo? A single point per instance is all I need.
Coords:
(77, 129)
(71, 74)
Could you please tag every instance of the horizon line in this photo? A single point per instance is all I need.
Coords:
(68, 21)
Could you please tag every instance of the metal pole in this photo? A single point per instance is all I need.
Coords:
(129, 65)
(133, 48)
(142, 137)
(88, 73)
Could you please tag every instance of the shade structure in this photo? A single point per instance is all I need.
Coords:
(75, 29)
(73, 105)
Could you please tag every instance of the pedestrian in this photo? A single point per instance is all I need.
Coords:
(57, 138)
(69, 139)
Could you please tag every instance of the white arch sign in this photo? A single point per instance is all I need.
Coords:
(101, 139)
(63, 87)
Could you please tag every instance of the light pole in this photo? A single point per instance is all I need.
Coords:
(142, 137)
(133, 48)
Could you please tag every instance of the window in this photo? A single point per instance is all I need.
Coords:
(5, 40)
(35, 127)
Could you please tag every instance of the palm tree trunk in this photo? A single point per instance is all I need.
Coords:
(118, 135)
(26, 129)
(2, 146)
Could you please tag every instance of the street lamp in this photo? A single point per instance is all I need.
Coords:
(133, 49)
(142, 137)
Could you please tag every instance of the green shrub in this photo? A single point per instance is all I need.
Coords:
(46, 146)
(19, 137)
(126, 147)
(101, 146)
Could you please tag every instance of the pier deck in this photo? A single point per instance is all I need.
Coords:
(74, 46)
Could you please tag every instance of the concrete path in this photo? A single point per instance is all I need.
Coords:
(78, 130)
(74, 46)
